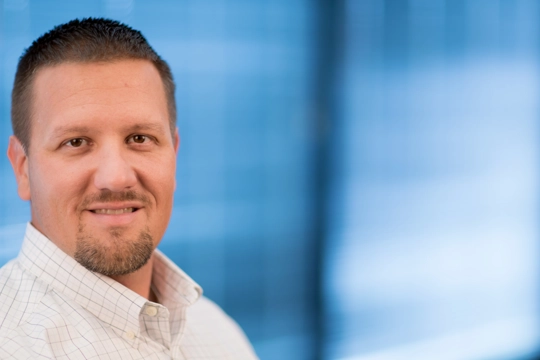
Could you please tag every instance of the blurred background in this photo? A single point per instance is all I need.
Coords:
(357, 180)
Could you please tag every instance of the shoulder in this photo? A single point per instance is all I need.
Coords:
(206, 310)
(208, 322)
(20, 295)
(38, 322)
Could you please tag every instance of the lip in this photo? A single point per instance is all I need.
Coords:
(109, 220)
(115, 206)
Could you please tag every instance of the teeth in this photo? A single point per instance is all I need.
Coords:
(113, 211)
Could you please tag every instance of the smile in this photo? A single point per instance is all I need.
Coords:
(114, 211)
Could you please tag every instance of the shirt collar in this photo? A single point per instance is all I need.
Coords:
(171, 284)
(108, 300)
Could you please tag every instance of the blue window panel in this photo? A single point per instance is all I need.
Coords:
(433, 247)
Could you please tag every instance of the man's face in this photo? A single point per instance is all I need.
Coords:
(100, 171)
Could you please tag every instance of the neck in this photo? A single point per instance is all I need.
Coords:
(139, 281)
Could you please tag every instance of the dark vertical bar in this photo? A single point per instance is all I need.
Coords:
(396, 33)
(329, 17)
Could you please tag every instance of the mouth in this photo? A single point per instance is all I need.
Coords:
(107, 215)
(126, 210)
(115, 208)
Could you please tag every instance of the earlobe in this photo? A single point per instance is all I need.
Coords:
(19, 162)
(176, 141)
(176, 146)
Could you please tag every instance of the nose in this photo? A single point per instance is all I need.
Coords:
(114, 172)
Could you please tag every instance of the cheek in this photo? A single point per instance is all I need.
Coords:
(55, 195)
(158, 178)
(166, 186)
(57, 188)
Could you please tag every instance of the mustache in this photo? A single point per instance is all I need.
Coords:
(109, 196)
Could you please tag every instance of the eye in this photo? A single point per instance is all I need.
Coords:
(77, 142)
(139, 139)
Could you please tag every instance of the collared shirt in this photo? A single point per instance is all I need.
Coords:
(53, 307)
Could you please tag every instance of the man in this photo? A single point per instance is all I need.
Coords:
(94, 151)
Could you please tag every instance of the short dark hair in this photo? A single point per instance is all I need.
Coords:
(81, 41)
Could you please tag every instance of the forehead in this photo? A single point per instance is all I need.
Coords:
(98, 93)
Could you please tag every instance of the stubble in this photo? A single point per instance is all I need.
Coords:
(119, 254)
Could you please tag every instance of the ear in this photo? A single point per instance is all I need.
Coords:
(176, 141)
(176, 146)
(19, 162)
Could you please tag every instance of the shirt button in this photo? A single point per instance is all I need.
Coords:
(151, 311)
(130, 335)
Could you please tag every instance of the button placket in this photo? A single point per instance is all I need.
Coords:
(156, 324)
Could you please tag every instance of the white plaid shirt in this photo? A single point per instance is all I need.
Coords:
(52, 307)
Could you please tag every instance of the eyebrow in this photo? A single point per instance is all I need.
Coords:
(146, 127)
(63, 131)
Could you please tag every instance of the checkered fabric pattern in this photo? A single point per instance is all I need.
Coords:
(51, 307)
